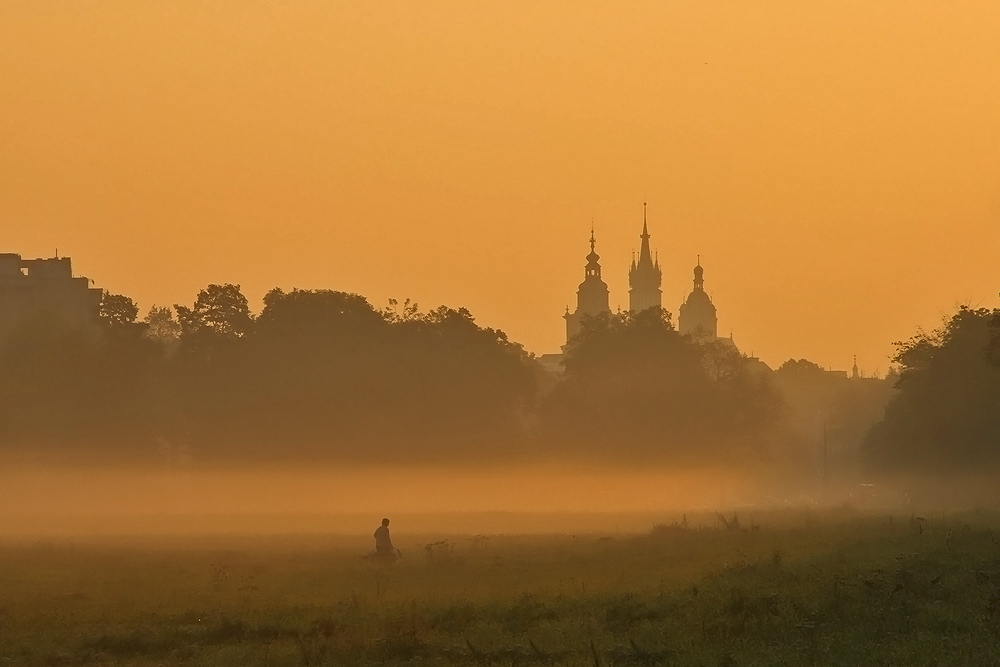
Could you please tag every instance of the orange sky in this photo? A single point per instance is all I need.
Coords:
(836, 164)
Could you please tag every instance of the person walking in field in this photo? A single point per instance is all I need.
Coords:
(383, 544)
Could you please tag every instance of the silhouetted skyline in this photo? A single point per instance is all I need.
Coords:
(825, 161)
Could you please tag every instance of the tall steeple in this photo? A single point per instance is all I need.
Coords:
(592, 296)
(644, 253)
(644, 276)
(593, 257)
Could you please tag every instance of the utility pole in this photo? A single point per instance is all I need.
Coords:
(826, 456)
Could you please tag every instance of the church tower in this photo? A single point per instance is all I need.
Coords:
(697, 316)
(591, 297)
(644, 276)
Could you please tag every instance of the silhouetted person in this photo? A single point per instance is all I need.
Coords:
(383, 545)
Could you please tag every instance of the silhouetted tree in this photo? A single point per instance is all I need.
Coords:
(993, 349)
(946, 412)
(162, 327)
(117, 311)
(461, 384)
(801, 370)
(321, 358)
(220, 310)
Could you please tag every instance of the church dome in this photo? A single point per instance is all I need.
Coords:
(697, 314)
(699, 299)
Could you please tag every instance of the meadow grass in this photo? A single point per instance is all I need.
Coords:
(793, 588)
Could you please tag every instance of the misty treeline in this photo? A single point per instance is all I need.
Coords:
(315, 372)
(324, 374)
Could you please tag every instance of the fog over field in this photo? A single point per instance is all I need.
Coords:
(353, 499)
(52, 500)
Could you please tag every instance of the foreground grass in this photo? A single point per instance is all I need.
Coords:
(814, 589)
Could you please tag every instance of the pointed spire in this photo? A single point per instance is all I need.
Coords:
(593, 241)
(645, 256)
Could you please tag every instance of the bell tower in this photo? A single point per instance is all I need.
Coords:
(591, 296)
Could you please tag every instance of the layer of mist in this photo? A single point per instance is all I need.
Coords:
(50, 500)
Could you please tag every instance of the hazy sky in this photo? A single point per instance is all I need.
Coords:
(835, 164)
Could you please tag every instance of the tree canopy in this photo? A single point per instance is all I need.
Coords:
(318, 372)
(946, 411)
(117, 311)
(634, 384)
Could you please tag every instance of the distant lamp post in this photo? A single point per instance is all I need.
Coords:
(824, 444)
(826, 454)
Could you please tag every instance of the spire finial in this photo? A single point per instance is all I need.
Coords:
(644, 254)
(593, 241)
(699, 276)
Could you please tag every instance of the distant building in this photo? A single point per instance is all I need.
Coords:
(552, 363)
(644, 276)
(755, 366)
(697, 317)
(591, 296)
(37, 287)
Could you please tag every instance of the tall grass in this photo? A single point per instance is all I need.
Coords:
(816, 589)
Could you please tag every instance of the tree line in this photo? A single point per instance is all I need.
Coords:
(325, 373)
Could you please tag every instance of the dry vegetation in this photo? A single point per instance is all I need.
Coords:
(809, 588)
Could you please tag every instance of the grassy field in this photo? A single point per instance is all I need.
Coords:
(795, 588)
